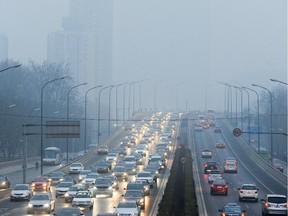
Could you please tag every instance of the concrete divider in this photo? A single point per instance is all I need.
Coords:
(4, 193)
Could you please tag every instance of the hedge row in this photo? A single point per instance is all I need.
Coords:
(179, 197)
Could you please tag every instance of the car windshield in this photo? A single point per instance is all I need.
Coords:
(277, 199)
(146, 174)
(65, 184)
(119, 169)
(92, 176)
(112, 154)
(103, 181)
(248, 187)
(127, 205)
(134, 187)
(84, 172)
(21, 187)
(40, 197)
(133, 194)
(232, 209)
(40, 179)
(76, 165)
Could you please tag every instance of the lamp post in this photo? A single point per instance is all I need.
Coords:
(155, 85)
(10, 67)
(85, 125)
(258, 116)
(274, 80)
(99, 103)
(229, 101)
(67, 117)
(124, 93)
(249, 135)
(271, 121)
(177, 89)
(109, 109)
(206, 92)
(129, 97)
(41, 117)
(117, 102)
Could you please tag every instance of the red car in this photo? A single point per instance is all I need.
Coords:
(219, 186)
(40, 183)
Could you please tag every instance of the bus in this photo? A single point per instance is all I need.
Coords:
(52, 156)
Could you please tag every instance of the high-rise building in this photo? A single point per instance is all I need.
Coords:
(85, 43)
(3, 47)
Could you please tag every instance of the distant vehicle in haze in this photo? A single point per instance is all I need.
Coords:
(52, 156)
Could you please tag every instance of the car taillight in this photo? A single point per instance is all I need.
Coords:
(267, 204)
(286, 205)
(256, 192)
(44, 184)
(206, 165)
(241, 191)
(33, 184)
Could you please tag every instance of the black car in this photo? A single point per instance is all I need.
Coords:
(103, 166)
(232, 209)
(210, 165)
(4, 182)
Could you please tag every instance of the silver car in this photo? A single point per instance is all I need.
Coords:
(21, 192)
(41, 203)
(274, 204)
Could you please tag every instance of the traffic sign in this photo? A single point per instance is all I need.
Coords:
(237, 132)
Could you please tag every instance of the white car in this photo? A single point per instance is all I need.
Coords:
(230, 167)
(144, 175)
(112, 156)
(90, 178)
(213, 175)
(127, 208)
(41, 202)
(62, 188)
(76, 168)
(103, 186)
(248, 192)
(21, 192)
(206, 154)
(83, 199)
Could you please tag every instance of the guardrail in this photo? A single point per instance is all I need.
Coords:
(11, 163)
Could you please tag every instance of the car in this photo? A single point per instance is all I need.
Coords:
(139, 158)
(278, 166)
(83, 200)
(210, 165)
(62, 188)
(102, 186)
(135, 195)
(219, 186)
(40, 183)
(130, 159)
(21, 192)
(122, 151)
(76, 168)
(71, 192)
(103, 166)
(274, 204)
(56, 177)
(146, 186)
(41, 202)
(103, 150)
(69, 211)
(232, 209)
(130, 168)
(213, 175)
(154, 170)
(125, 142)
(112, 156)
(206, 153)
(120, 172)
(217, 130)
(114, 181)
(4, 182)
(145, 175)
(141, 150)
(248, 192)
(128, 208)
(230, 167)
(83, 174)
(138, 185)
(220, 144)
(89, 179)
(230, 159)
(205, 125)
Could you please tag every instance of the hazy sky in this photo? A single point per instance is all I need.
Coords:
(189, 45)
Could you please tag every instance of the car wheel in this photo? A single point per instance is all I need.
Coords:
(263, 214)
(240, 199)
(211, 192)
(256, 200)
(11, 200)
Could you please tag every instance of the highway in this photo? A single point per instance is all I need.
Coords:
(249, 171)
(102, 204)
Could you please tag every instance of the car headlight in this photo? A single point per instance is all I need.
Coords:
(3, 183)
(110, 188)
(30, 205)
(66, 195)
(142, 200)
(46, 205)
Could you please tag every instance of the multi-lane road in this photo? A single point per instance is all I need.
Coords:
(250, 170)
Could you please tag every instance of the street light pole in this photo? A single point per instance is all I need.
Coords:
(177, 89)
(98, 120)
(41, 117)
(249, 134)
(67, 117)
(258, 116)
(117, 102)
(124, 92)
(155, 84)
(271, 121)
(85, 125)
(109, 109)
(10, 67)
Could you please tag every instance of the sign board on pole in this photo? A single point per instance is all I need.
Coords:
(62, 129)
